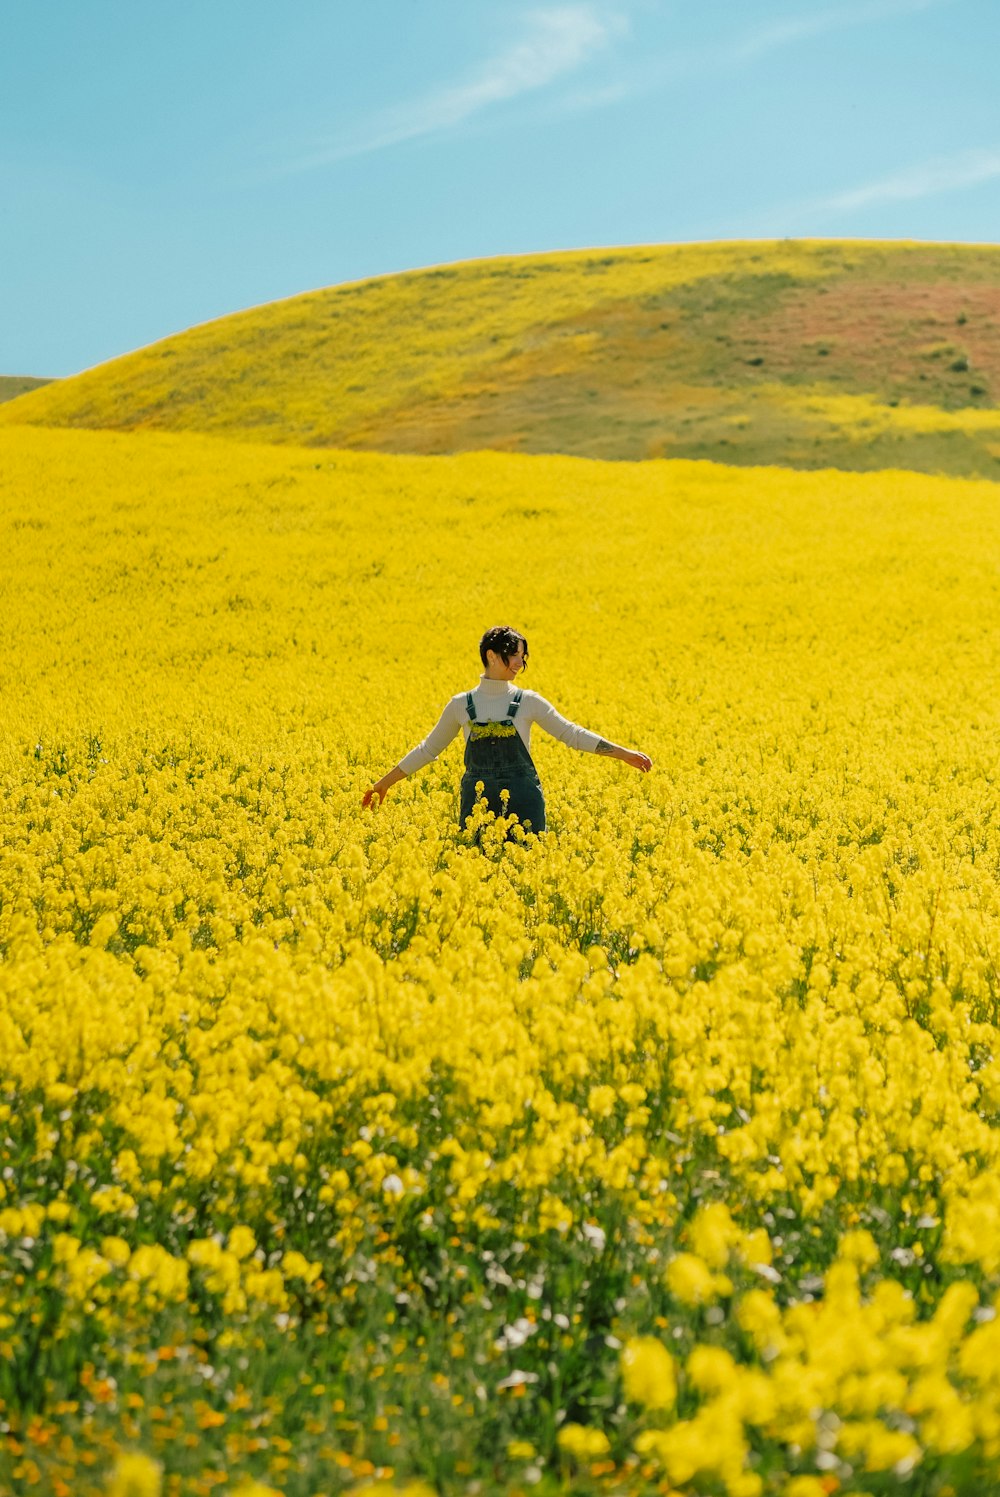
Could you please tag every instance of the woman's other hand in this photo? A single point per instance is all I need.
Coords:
(382, 786)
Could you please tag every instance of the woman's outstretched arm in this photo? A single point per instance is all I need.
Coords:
(551, 721)
(444, 730)
(383, 785)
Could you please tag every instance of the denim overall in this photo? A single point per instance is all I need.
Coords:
(495, 753)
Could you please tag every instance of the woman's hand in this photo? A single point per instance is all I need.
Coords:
(637, 760)
(627, 756)
(382, 786)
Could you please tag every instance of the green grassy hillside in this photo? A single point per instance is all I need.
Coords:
(12, 385)
(809, 355)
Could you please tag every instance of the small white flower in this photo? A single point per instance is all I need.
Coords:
(515, 1335)
(595, 1235)
(393, 1185)
(516, 1379)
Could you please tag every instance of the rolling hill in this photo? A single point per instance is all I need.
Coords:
(13, 385)
(805, 354)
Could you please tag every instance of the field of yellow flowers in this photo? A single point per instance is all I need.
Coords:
(659, 1154)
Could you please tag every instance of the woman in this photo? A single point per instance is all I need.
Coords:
(496, 719)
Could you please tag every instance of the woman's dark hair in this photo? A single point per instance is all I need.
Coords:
(504, 641)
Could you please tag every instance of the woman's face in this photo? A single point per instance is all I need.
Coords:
(507, 670)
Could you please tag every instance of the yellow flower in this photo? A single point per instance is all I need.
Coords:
(711, 1442)
(880, 1447)
(713, 1233)
(135, 1475)
(690, 1280)
(711, 1369)
(601, 1101)
(648, 1373)
(241, 1242)
(755, 1247)
(295, 1265)
(858, 1247)
(761, 1319)
(582, 1442)
(386, 1489)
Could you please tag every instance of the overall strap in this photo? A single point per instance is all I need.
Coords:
(515, 702)
(470, 706)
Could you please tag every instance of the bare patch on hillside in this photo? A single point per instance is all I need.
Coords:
(697, 372)
(13, 385)
(935, 344)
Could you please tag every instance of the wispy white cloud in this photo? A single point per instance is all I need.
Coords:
(556, 42)
(733, 50)
(927, 179)
(791, 29)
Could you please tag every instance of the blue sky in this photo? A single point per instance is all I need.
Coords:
(161, 165)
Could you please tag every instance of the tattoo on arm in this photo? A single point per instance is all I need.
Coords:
(604, 747)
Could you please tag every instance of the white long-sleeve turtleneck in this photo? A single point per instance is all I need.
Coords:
(492, 702)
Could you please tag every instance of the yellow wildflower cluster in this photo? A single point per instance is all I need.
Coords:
(843, 1380)
(658, 1150)
(864, 415)
(492, 730)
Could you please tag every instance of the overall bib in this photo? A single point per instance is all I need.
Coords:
(495, 753)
